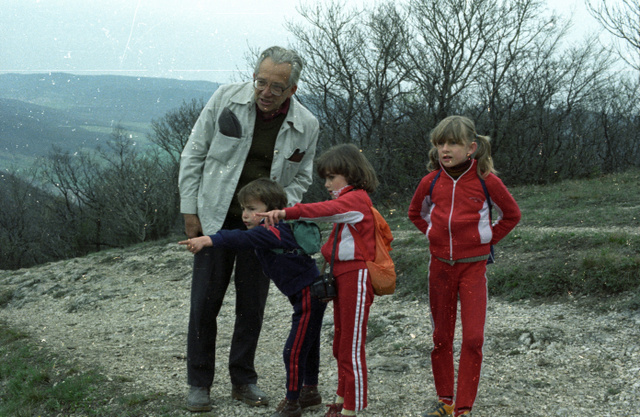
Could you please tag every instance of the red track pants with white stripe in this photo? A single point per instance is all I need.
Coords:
(446, 283)
(351, 314)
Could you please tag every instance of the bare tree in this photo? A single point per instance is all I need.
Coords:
(352, 67)
(354, 75)
(31, 229)
(519, 52)
(452, 39)
(172, 131)
(16, 216)
(614, 126)
(503, 63)
(528, 112)
(622, 20)
(77, 177)
(122, 191)
(142, 200)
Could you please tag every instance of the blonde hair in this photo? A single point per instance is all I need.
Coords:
(461, 130)
(347, 160)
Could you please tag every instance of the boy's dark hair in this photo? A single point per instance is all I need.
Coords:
(269, 192)
(347, 160)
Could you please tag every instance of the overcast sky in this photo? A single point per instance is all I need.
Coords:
(185, 39)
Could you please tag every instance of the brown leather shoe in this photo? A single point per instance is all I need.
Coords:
(309, 397)
(250, 394)
(288, 408)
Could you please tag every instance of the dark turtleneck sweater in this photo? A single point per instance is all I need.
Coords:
(459, 169)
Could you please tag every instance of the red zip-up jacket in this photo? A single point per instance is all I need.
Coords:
(352, 207)
(455, 217)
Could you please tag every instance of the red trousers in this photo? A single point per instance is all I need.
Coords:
(447, 283)
(350, 315)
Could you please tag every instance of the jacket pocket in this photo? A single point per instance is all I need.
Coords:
(229, 124)
(296, 156)
(224, 147)
(289, 172)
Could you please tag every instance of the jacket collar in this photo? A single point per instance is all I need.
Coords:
(469, 168)
(345, 190)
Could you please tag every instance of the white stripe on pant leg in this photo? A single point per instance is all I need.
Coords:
(358, 341)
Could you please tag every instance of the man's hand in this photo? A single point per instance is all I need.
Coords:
(192, 226)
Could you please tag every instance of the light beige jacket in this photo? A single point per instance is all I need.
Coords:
(211, 163)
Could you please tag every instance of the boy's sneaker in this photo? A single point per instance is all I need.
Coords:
(442, 409)
(334, 410)
(198, 399)
(309, 397)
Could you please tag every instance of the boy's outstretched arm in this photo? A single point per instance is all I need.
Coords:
(195, 244)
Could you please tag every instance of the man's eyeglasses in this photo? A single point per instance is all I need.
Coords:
(276, 90)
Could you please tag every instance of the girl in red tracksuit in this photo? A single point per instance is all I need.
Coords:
(454, 213)
(349, 178)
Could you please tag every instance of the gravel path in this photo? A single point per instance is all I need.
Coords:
(126, 311)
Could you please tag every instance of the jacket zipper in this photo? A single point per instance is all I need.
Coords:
(453, 200)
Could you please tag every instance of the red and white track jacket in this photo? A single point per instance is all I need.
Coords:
(352, 207)
(455, 217)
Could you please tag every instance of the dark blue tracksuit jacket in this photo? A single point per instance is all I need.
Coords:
(290, 271)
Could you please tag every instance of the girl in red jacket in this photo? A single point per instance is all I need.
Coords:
(455, 214)
(349, 177)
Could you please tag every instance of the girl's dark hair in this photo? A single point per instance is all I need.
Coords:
(269, 192)
(347, 160)
(461, 130)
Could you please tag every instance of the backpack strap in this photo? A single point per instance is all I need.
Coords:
(339, 227)
(433, 182)
(486, 194)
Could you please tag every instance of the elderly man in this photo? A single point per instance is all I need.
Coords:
(246, 131)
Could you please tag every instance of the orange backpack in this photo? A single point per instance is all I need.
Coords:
(382, 269)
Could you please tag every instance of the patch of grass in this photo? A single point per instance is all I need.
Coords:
(596, 202)
(556, 264)
(34, 382)
(412, 271)
(6, 295)
(632, 303)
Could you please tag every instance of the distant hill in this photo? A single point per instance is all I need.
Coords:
(76, 111)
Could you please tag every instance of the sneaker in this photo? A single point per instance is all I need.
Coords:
(442, 409)
(309, 397)
(288, 408)
(249, 394)
(334, 410)
(198, 399)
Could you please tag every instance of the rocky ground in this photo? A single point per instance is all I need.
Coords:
(126, 311)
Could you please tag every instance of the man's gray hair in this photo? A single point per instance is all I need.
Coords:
(281, 55)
